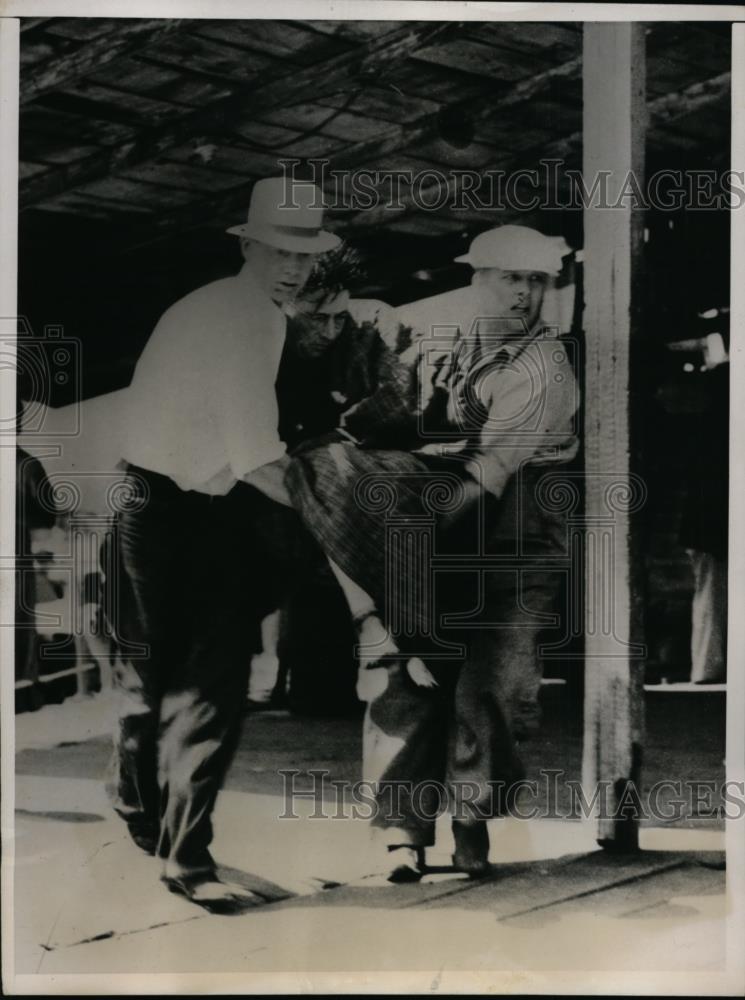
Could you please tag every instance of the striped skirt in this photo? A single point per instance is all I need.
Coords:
(374, 512)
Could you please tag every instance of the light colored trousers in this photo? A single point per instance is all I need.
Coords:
(461, 735)
(708, 618)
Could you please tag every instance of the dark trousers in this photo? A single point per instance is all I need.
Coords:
(194, 577)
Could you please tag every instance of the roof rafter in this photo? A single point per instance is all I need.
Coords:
(391, 140)
(661, 111)
(27, 23)
(362, 62)
(68, 67)
(400, 137)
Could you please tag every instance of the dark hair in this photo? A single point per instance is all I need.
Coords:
(335, 270)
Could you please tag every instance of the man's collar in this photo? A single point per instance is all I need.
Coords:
(248, 282)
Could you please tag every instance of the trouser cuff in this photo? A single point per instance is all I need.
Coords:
(403, 836)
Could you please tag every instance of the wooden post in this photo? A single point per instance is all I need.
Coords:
(614, 130)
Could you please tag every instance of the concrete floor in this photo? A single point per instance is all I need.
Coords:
(87, 903)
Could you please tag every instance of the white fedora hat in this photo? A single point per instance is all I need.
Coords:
(287, 215)
(516, 248)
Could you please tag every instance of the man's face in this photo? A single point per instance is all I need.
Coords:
(281, 273)
(511, 293)
(324, 315)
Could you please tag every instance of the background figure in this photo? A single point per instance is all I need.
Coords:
(703, 530)
(709, 618)
(265, 685)
(94, 649)
(34, 510)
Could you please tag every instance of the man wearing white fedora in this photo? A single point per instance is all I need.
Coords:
(203, 552)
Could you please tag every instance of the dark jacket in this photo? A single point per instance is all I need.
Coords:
(358, 375)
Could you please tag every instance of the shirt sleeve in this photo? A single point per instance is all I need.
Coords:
(530, 405)
(245, 401)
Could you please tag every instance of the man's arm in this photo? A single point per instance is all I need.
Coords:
(244, 402)
(530, 404)
(391, 404)
(32, 482)
(270, 480)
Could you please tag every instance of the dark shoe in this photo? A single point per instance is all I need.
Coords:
(206, 890)
(260, 706)
(145, 836)
(471, 848)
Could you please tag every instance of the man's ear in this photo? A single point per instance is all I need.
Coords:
(245, 247)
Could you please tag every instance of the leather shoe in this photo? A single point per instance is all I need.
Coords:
(207, 891)
(471, 848)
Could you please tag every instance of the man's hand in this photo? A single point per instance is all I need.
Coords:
(711, 346)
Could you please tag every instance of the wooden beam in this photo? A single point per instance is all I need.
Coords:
(365, 62)
(695, 97)
(614, 119)
(664, 109)
(401, 137)
(660, 111)
(396, 138)
(70, 66)
(27, 23)
(393, 139)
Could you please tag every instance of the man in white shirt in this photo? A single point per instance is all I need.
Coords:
(203, 554)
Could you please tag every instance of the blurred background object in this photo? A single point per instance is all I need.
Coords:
(703, 531)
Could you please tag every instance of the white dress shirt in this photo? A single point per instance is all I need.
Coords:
(202, 407)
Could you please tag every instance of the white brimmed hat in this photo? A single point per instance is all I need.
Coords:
(287, 215)
(516, 248)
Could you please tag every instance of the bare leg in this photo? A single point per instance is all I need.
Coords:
(262, 678)
(359, 601)
(375, 641)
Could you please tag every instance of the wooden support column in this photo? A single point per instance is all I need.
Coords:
(614, 127)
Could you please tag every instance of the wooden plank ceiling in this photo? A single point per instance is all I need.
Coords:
(161, 127)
